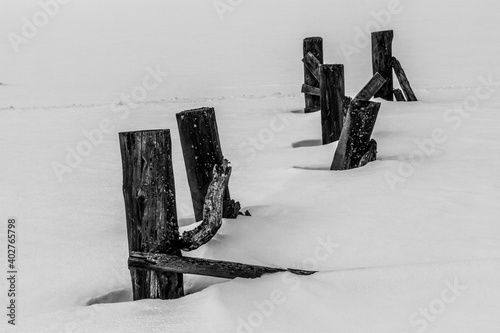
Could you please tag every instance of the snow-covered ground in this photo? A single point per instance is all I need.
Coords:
(409, 243)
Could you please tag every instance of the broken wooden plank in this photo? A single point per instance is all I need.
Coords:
(312, 64)
(371, 88)
(403, 80)
(212, 210)
(206, 267)
(306, 89)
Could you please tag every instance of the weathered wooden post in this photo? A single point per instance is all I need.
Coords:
(382, 61)
(149, 193)
(315, 46)
(201, 148)
(355, 147)
(403, 80)
(332, 101)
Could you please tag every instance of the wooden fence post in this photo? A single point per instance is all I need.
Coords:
(315, 46)
(403, 80)
(149, 194)
(355, 148)
(201, 148)
(382, 61)
(332, 101)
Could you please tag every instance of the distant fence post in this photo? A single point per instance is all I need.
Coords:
(382, 61)
(202, 150)
(332, 99)
(149, 194)
(315, 46)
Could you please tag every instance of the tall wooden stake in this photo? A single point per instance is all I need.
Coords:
(149, 193)
(201, 148)
(332, 101)
(315, 46)
(382, 61)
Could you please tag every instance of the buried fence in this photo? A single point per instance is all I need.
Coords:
(155, 260)
(155, 245)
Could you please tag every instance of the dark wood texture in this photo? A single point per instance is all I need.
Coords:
(315, 46)
(332, 101)
(371, 88)
(312, 63)
(215, 268)
(212, 211)
(354, 142)
(149, 194)
(399, 95)
(202, 151)
(311, 90)
(382, 61)
(370, 155)
(403, 80)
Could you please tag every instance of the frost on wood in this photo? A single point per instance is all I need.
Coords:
(202, 151)
(212, 210)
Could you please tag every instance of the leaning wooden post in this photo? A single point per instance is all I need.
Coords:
(202, 150)
(403, 80)
(149, 193)
(382, 61)
(332, 101)
(315, 46)
(355, 148)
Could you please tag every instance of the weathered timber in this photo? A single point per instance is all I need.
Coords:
(332, 101)
(347, 103)
(354, 141)
(149, 194)
(202, 150)
(197, 266)
(312, 63)
(399, 95)
(315, 46)
(403, 80)
(212, 211)
(370, 155)
(371, 88)
(310, 90)
(382, 61)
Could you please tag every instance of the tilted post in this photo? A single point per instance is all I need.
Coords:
(403, 80)
(202, 150)
(315, 46)
(382, 61)
(355, 147)
(371, 88)
(149, 194)
(332, 99)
